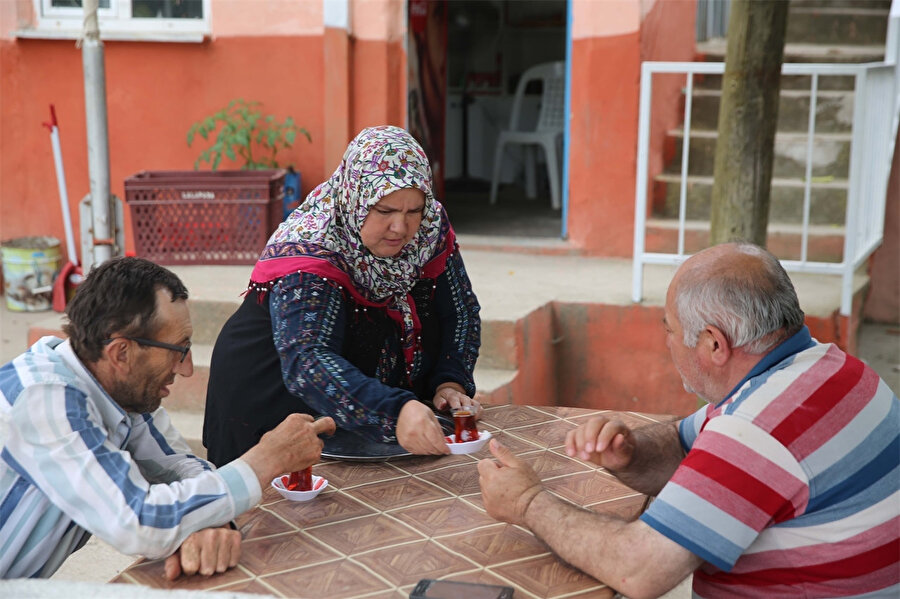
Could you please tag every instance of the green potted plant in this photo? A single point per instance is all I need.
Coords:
(216, 216)
(245, 133)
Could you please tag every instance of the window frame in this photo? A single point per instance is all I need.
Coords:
(117, 23)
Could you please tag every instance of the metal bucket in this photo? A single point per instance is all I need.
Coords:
(30, 265)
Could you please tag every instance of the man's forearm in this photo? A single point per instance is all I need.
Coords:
(630, 557)
(657, 454)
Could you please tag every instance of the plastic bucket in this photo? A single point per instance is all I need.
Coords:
(30, 265)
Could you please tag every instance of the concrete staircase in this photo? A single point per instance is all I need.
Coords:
(830, 31)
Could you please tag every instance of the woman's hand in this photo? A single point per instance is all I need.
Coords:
(449, 396)
(418, 430)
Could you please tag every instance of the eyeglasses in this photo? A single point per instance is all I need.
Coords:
(181, 349)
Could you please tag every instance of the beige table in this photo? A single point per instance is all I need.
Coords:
(380, 527)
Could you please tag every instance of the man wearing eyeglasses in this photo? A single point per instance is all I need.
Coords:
(86, 449)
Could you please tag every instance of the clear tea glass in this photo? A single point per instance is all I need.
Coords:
(464, 425)
(300, 480)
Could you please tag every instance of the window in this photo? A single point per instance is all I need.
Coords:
(145, 20)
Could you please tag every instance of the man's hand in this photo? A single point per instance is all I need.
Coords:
(450, 396)
(292, 445)
(508, 485)
(206, 552)
(418, 430)
(607, 443)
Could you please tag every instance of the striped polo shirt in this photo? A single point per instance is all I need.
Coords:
(791, 485)
(73, 463)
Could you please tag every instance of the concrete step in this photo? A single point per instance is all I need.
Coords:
(831, 154)
(846, 25)
(882, 4)
(834, 110)
(828, 199)
(826, 243)
(713, 50)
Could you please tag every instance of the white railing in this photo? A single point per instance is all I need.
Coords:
(875, 118)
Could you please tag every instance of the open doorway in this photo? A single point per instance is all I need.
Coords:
(483, 48)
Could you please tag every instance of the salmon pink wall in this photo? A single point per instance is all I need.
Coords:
(337, 100)
(615, 357)
(603, 130)
(612, 357)
(609, 42)
(381, 20)
(268, 18)
(155, 91)
(379, 84)
(379, 63)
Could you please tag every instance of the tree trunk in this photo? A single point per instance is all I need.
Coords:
(748, 115)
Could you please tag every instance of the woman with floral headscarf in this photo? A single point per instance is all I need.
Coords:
(359, 308)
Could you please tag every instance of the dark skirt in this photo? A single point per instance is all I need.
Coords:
(247, 397)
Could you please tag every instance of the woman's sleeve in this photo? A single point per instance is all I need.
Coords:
(309, 320)
(457, 309)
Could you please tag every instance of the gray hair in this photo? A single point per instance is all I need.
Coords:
(748, 305)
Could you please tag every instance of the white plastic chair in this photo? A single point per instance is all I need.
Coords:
(550, 126)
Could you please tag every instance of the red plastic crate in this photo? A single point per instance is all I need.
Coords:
(204, 217)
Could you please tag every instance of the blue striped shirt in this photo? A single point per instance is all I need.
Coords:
(73, 463)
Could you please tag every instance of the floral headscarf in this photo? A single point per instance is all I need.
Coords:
(322, 235)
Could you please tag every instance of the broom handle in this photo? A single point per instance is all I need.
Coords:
(61, 183)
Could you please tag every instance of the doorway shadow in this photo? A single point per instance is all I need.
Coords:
(514, 215)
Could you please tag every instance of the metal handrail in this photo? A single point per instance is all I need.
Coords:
(876, 94)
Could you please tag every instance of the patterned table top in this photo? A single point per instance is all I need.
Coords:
(380, 527)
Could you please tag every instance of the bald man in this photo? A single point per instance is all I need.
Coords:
(786, 484)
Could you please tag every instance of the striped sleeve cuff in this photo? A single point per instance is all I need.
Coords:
(242, 484)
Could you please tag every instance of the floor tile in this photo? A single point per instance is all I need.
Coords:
(546, 576)
(381, 527)
(397, 493)
(343, 475)
(494, 544)
(549, 465)
(363, 534)
(479, 577)
(389, 595)
(444, 517)
(337, 579)
(417, 464)
(458, 480)
(270, 495)
(515, 444)
(328, 506)
(261, 523)
(253, 586)
(508, 417)
(568, 412)
(407, 564)
(283, 552)
(152, 574)
(585, 488)
(546, 434)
